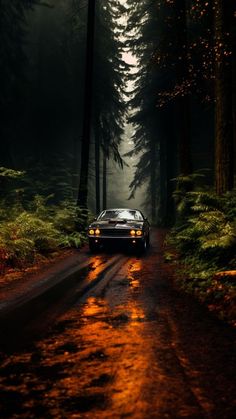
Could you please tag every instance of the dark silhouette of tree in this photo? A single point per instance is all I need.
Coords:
(13, 62)
(88, 92)
(142, 105)
(224, 153)
(150, 136)
(180, 61)
(38, 90)
(109, 108)
(183, 103)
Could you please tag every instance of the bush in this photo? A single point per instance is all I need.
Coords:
(32, 225)
(43, 233)
(15, 250)
(205, 237)
(24, 234)
(207, 229)
(22, 238)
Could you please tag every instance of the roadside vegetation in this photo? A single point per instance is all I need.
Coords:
(205, 238)
(33, 227)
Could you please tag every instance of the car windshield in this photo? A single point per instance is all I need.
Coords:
(121, 214)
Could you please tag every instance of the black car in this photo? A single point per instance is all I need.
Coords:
(123, 225)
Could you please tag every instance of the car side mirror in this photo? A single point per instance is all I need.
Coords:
(95, 219)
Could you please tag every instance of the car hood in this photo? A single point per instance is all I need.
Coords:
(117, 224)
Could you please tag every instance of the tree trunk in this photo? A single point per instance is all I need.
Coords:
(163, 180)
(85, 146)
(97, 168)
(5, 154)
(224, 150)
(233, 49)
(153, 180)
(183, 112)
(168, 167)
(184, 116)
(104, 182)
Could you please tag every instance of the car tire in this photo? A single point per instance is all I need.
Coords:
(142, 246)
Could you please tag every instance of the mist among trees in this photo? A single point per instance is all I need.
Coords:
(80, 123)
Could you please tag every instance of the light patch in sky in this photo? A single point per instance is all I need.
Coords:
(129, 58)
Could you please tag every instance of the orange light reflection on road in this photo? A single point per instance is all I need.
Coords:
(133, 272)
(115, 346)
(99, 353)
(136, 312)
(96, 268)
(117, 355)
(93, 307)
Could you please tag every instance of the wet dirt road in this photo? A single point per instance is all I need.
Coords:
(132, 346)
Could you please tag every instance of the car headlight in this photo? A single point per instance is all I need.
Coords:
(132, 232)
(139, 233)
(97, 231)
(91, 232)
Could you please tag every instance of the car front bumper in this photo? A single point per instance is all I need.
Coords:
(115, 239)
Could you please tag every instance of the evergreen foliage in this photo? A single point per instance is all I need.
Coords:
(185, 51)
(30, 226)
(205, 239)
(109, 109)
(142, 38)
(205, 232)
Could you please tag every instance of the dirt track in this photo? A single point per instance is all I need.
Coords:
(131, 346)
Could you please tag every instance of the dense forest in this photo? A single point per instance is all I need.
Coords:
(108, 95)
(182, 104)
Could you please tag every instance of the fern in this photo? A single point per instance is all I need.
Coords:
(7, 173)
(43, 233)
(223, 239)
(31, 225)
(206, 228)
(15, 249)
(205, 236)
(72, 240)
(39, 206)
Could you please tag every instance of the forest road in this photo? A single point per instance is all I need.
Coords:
(131, 346)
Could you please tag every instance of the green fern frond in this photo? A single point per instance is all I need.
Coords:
(10, 173)
(201, 208)
(71, 240)
(223, 239)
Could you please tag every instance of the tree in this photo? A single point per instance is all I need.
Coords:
(176, 56)
(224, 148)
(13, 62)
(109, 107)
(153, 141)
(183, 103)
(83, 184)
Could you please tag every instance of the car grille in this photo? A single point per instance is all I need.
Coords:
(115, 232)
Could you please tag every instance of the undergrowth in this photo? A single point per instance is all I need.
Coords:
(205, 238)
(29, 228)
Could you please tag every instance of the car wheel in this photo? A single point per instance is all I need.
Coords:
(94, 247)
(142, 246)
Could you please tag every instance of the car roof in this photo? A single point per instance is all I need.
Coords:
(121, 209)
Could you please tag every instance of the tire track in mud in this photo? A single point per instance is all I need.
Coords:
(31, 315)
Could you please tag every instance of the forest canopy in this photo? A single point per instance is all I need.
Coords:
(168, 114)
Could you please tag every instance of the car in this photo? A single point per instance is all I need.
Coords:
(119, 225)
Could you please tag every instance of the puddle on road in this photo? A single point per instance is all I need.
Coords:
(96, 268)
(134, 273)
